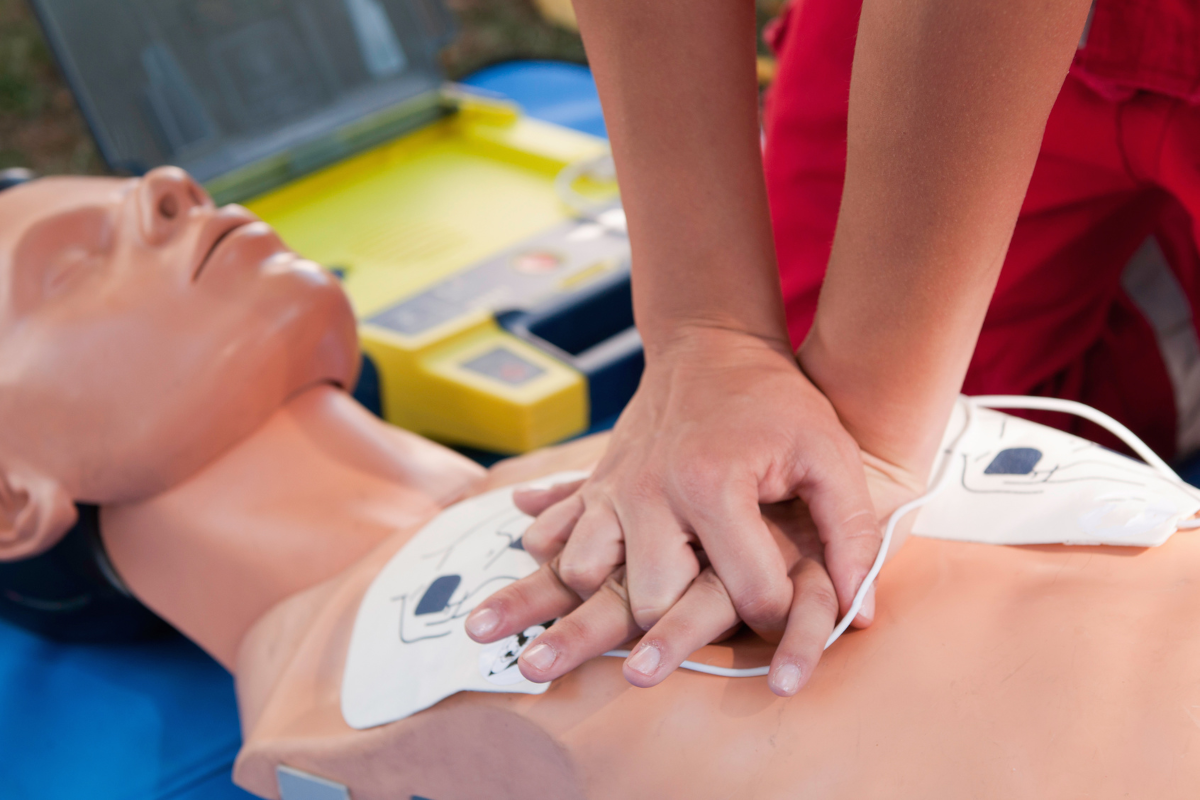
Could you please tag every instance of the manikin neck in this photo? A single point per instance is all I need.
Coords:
(314, 489)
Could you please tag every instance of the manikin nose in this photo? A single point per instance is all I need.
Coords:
(167, 196)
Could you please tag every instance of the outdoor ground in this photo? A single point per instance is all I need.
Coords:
(40, 127)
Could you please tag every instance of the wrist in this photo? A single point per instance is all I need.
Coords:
(898, 431)
(709, 339)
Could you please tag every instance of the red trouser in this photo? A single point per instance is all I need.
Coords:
(1110, 174)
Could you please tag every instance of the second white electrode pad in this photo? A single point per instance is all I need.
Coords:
(409, 648)
(1016, 482)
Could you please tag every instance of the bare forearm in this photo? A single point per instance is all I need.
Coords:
(948, 103)
(677, 81)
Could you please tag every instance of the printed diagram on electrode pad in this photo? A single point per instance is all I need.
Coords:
(464, 576)
(409, 647)
(1027, 470)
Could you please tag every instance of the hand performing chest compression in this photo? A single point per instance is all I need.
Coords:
(667, 536)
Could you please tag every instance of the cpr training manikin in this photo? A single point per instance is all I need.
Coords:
(176, 365)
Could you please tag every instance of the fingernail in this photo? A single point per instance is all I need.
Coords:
(867, 611)
(645, 660)
(540, 656)
(785, 680)
(482, 622)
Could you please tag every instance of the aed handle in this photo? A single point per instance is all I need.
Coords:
(592, 331)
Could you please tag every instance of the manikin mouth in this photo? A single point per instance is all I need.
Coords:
(238, 224)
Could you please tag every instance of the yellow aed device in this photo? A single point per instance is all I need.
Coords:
(491, 286)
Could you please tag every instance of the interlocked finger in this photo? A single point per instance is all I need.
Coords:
(600, 624)
(747, 560)
(596, 548)
(532, 600)
(701, 616)
(661, 561)
(813, 615)
(546, 535)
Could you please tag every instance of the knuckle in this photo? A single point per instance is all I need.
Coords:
(581, 577)
(518, 601)
(701, 480)
(554, 567)
(641, 488)
(762, 605)
(710, 588)
(542, 533)
(595, 492)
(541, 549)
(572, 632)
(822, 597)
(859, 544)
(614, 586)
(861, 528)
(520, 595)
(647, 617)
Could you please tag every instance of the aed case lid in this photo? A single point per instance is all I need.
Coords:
(246, 94)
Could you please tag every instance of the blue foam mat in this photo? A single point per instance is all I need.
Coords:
(158, 720)
(564, 94)
(155, 719)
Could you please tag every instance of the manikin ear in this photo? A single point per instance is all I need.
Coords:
(35, 512)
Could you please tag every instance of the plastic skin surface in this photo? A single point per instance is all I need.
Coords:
(1042, 671)
(247, 499)
(143, 332)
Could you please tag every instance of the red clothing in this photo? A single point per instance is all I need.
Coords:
(1117, 164)
(1151, 45)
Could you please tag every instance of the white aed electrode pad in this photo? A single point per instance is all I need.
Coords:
(409, 648)
(1016, 482)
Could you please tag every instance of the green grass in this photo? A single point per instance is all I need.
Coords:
(40, 126)
(24, 61)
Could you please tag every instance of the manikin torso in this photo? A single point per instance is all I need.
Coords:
(990, 671)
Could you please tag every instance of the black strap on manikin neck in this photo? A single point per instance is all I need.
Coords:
(72, 593)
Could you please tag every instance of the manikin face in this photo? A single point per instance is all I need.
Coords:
(143, 332)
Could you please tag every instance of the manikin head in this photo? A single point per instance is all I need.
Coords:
(143, 332)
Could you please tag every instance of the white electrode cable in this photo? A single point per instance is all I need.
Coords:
(707, 669)
(1080, 410)
(982, 401)
(893, 520)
